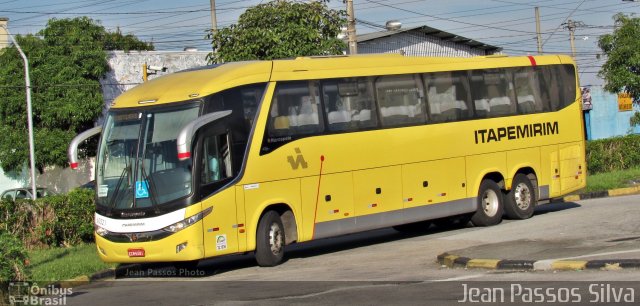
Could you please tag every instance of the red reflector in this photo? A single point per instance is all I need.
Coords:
(136, 252)
(74, 166)
(335, 211)
(410, 199)
(184, 155)
(374, 205)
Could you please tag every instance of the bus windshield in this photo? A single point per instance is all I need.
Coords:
(137, 164)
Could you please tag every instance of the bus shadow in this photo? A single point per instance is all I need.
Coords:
(224, 264)
(555, 207)
(217, 266)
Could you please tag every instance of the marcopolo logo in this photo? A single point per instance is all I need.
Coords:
(298, 161)
(24, 293)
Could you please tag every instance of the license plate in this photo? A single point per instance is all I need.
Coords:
(136, 252)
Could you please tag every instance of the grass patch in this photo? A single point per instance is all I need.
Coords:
(56, 264)
(611, 180)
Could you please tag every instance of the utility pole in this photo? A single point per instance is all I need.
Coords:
(27, 80)
(539, 36)
(214, 21)
(351, 28)
(571, 25)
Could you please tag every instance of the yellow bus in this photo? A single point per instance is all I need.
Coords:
(252, 156)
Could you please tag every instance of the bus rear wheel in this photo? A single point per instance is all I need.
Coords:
(521, 200)
(490, 205)
(270, 240)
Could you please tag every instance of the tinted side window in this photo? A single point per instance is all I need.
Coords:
(401, 100)
(568, 84)
(349, 104)
(447, 96)
(216, 159)
(528, 91)
(493, 94)
(550, 86)
(295, 110)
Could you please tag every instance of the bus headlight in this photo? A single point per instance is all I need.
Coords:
(101, 230)
(178, 226)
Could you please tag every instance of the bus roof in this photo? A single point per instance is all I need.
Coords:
(200, 82)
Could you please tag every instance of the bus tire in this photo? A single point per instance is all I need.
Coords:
(521, 199)
(490, 205)
(270, 240)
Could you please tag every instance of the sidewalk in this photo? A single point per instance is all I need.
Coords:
(543, 255)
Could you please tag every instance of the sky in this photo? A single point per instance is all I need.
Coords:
(509, 24)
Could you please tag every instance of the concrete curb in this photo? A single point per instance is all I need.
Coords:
(107, 274)
(455, 261)
(602, 194)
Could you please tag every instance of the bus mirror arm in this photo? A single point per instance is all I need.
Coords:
(185, 137)
(72, 153)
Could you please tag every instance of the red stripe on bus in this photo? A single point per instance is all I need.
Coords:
(532, 60)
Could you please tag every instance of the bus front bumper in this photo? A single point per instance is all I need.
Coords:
(184, 245)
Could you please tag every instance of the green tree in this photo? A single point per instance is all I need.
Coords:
(280, 29)
(621, 70)
(67, 60)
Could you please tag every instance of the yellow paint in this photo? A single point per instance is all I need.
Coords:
(156, 251)
(75, 282)
(449, 260)
(624, 191)
(571, 198)
(483, 263)
(569, 265)
(365, 184)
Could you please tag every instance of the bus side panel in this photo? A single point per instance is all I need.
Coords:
(479, 165)
(377, 190)
(334, 199)
(257, 197)
(241, 217)
(550, 169)
(572, 171)
(518, 159)
(434, 182)
(220, 226)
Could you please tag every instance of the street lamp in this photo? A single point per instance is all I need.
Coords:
(29, 113)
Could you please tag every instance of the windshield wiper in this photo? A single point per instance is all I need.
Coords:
(152, 188)
(126, 172)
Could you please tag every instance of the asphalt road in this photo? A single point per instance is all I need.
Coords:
(388, 267)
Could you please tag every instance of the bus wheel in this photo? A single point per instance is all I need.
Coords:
(490, 206)
(520, 201)
(270, 240)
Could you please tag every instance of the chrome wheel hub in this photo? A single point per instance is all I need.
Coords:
(275, 239)
(490, 203)
(522, 195)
